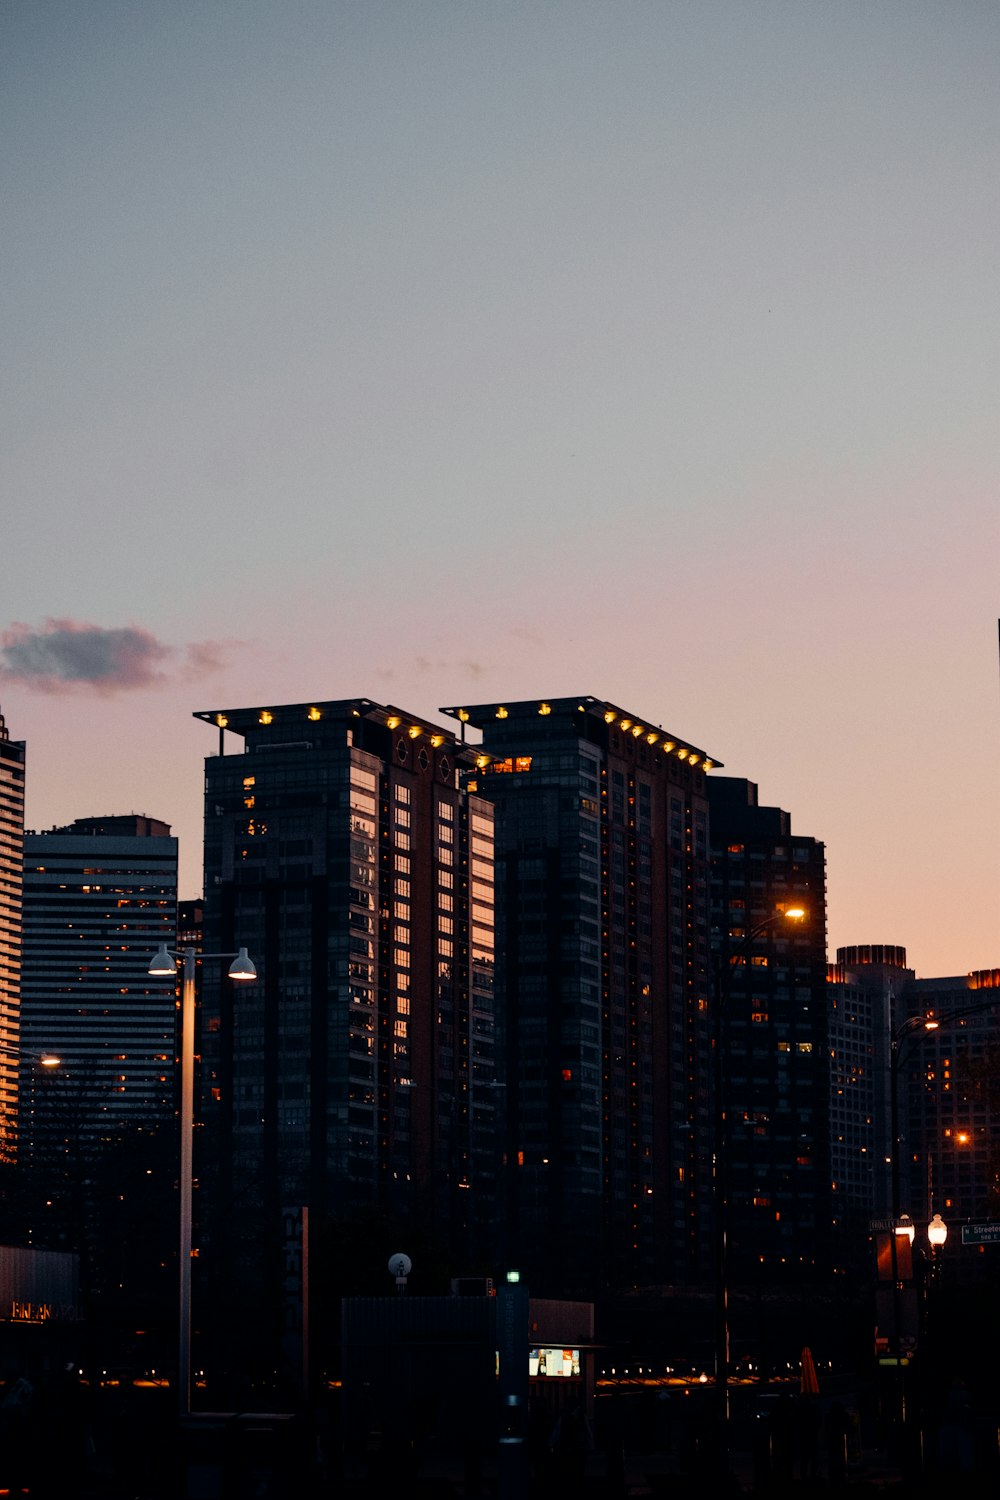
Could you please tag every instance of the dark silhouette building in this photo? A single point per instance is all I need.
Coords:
(603, 1025)
(948, 1122)
(776, 1061)
(356, 1077)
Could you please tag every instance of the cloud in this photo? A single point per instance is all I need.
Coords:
(421, 665)
(67, 655)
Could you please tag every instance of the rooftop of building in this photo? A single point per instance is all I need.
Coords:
(265, 720)
(483, 715)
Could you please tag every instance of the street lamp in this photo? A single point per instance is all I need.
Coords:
(937, 1232)
(724, 969)
(163, 966)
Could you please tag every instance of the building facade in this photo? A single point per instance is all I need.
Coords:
(12, 758)
(100, 895)
(603, 1022)
(774, 1037)
(941, 1040)
(357, 1075)
(951, 1084)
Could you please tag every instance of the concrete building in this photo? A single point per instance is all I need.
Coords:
(100, 895)
(603, 1018)
(12, 757)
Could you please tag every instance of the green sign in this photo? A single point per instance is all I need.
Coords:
(981, 1234)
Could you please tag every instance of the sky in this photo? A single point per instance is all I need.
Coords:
(440, 352)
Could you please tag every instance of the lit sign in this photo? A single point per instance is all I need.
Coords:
(547, 1363)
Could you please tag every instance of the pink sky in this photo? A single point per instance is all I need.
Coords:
(428, 352)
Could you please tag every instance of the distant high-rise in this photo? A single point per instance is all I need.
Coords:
(356, 1076)
(602, 992)
(775, 1045)
(100, 895)
(947, 1122)
(11, 848)
(865, 988)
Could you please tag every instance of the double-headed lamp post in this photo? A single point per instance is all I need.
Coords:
(164, 966)
(726, 963)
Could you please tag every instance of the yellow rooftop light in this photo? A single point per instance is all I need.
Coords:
(652, 737)
(545, 708)
(708, 764)
(221, 720)
(315, 714)
(682, 754)
(482, 761)
(414, 731)
(668, 745)
(267, 717)
(625, 724)
(637, 730)
(437, 739)
(694, 759)
(610, 716)
(463, 714)
(501, 713)
(393, 721)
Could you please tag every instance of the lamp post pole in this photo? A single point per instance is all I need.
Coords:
(163, 965)
(186, 1181)
(723, 970)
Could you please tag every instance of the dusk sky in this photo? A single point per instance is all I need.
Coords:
(433, 352)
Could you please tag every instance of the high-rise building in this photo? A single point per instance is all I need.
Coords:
(100, 895)
(603, 1020)
(11, 849)
(357, 1074)
(865, 988)
(944, 1093)
(951, 1083)
(775, 1050)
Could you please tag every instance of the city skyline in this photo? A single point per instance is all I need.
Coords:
(429, 353)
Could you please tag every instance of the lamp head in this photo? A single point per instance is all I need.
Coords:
(242, 966)
(904, 1227)
(937, 1231)
(162, 965)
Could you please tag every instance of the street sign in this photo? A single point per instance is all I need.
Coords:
(981, 1234)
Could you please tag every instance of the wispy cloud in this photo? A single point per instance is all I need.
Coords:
(420, 666)
(69, 655)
